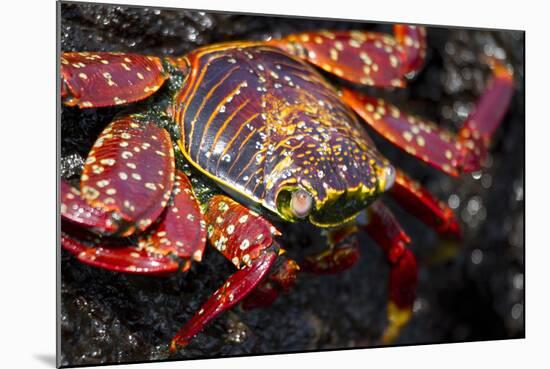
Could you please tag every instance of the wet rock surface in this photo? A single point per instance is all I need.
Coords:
(478, 294)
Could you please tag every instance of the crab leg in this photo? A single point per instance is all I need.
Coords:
(180, 232)
(244, 238)
(98, 79)
(342, 253)
(418, 201)
(281, 278)
(451, 153)
(386, 231)
(366, 58)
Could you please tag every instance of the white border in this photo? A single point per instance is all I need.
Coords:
(27, 128)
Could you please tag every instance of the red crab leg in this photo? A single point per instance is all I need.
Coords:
(386, 231)
(366, 58)
(180, 232)
(244, 238)
(98, 79)
(442, 149)
(420, 202)
(236, 287)
(130, 172)
(342, 253)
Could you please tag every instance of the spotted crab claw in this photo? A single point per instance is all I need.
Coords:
(360, 57)
(178, 234)
(99, 79)
(182, 229)
(129, 172)
(76, 210)
(445, 150)
(115, 254)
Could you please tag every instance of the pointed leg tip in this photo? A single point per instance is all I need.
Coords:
(398, 317)
(177, 344)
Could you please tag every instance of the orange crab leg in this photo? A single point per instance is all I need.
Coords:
(425, 140)
(342, 253)
(417, 200)
(130, 172)
(246, 239)
(387, 232)
(99, 79)
(366, 58)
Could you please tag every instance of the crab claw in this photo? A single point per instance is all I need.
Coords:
(76, 210)
(99, 79)
(130, 172)
(182, 229)
(180, 232)
(114, 253)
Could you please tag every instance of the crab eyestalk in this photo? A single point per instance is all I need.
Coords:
(294, 203)
(386, 177)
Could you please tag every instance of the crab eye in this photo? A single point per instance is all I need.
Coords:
(388, 177)
(301, 203)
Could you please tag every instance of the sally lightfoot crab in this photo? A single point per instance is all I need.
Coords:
(221, 143)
